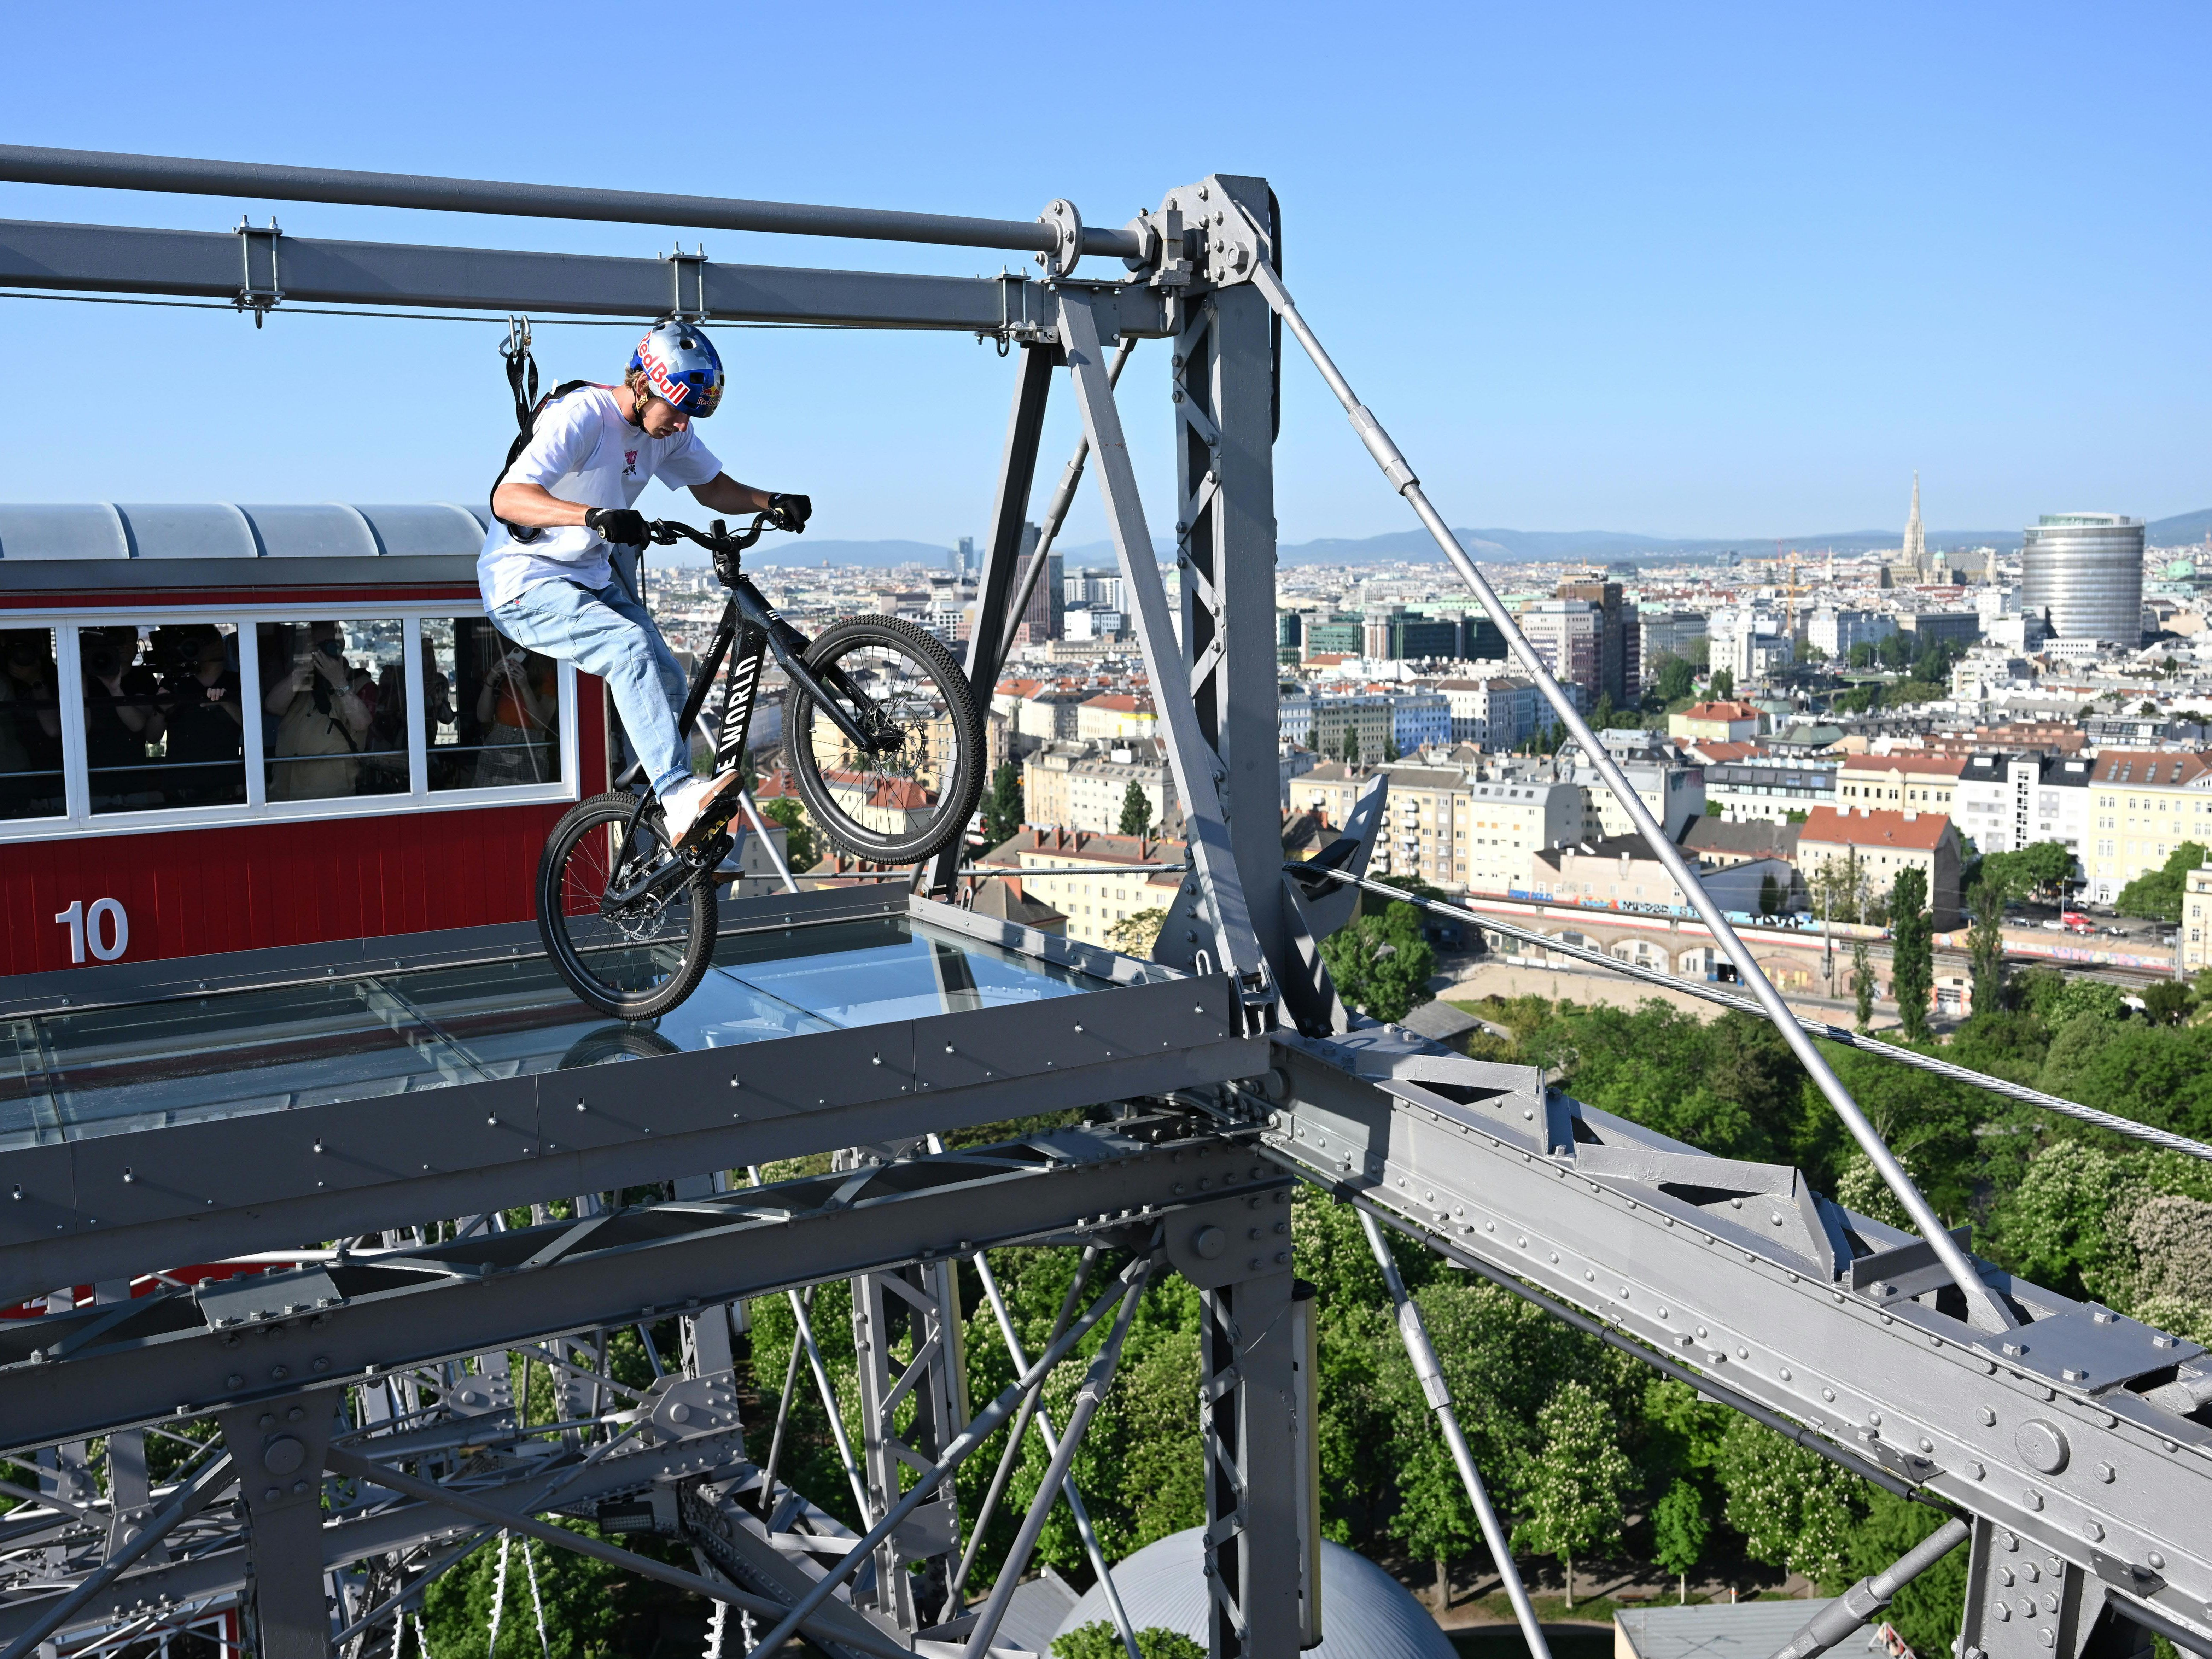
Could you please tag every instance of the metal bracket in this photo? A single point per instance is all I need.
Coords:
(1206, 237)
(257, 299)
(696, 263)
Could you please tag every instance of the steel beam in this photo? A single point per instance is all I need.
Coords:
(1210, 916)
(1003, 550)
(202, 1191)
(1256, 1570)
(1223, 381)
(503, 1289)
(2055, 1432)
(205, 264)
(86, 169)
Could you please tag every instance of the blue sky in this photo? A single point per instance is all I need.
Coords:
(1689, 270)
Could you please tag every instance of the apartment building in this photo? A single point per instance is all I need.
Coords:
(1620, 873)
(1742, 791)
(1106, 891)
(1115, 714)
(1715, 722)
(1447, 826)
(1674, 793)
(2196, 920)
(2143, 803)
(2006, 801)
(1884, 843)
(1899, 783)
(1498, 714)
(1835, 631)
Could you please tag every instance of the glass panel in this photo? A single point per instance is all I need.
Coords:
(333, 709)
(30, 725)
(494, 707)
(69, 1076)
(163, 725)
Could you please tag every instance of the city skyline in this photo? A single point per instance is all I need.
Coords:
(1700, 276)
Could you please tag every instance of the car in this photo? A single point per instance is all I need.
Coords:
(2052, 924)
(2169, 939)
(2113, 933)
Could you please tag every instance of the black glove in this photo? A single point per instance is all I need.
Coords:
(623, 526)
(789, 513)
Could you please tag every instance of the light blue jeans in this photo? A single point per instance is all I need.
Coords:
(605, 632)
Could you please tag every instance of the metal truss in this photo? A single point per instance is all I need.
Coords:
(370, 1426)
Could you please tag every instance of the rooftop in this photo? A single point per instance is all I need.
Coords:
(1919, 832)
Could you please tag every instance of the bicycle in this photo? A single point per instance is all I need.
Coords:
(881, 734)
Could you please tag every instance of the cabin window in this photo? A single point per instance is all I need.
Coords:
(333, 709)
(114, 722)
(164, 716)
(492, 710)
(30, 725)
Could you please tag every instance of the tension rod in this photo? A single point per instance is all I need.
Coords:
(1987, 1309)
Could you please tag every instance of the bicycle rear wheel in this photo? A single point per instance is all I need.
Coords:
(911, 792)
(634, 936)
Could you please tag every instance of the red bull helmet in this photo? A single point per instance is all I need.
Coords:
(681, 368)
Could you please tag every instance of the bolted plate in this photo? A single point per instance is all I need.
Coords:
(256, 1297)
(2089, 1349)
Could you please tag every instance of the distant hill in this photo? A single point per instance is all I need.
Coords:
(1490, 546)
(2182, 528)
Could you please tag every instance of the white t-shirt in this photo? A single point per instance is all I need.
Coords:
(583, 451)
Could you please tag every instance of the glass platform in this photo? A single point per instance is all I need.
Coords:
(111, 1071)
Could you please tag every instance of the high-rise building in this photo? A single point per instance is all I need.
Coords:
(1044, 618)
(1565, 636)
(2085, 570)
(1916, 538)
(1620, 667)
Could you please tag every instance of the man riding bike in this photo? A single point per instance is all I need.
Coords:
(545, 572)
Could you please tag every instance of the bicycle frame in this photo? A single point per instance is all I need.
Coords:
(750, 630)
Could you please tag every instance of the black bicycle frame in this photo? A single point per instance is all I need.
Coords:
(750, 624)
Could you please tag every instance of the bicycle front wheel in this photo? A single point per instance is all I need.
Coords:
(633, 933)
(909, 793)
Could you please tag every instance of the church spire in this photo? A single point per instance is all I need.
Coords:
(1916, 538)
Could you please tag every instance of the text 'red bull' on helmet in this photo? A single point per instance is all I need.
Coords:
(681, 368)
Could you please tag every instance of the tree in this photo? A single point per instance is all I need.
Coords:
(2156, 893)
(1814, 654)
(1350, 745)
(1677, 679)
(1985, 943)
(1133, 934)
(1002, 803)
(1381, 965)
(1912, 950)
(2167, 1001)
(1136, 810)
(1581, 1482)
(1390, 749)
(1100, 1641)
(1769, 896)
(2037, 868)
(1678, 1530)
(1602, 715)
(1862, 654)
(800, 849)
(1895, 652)
(1861, 985)
(1723, 685)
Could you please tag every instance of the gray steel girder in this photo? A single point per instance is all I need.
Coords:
(2046, 1431)
(206, 265)
(499, 1290)
(118, 1205)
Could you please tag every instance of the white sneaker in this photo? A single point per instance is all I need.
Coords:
(690, 803)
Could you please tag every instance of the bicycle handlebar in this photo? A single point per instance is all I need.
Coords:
(665, 532)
